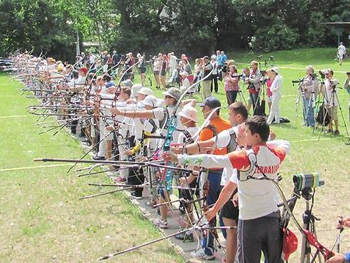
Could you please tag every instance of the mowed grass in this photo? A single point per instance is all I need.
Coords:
(43, 220)
(311, 150)
(41, 216)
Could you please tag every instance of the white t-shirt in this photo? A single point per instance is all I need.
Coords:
(341, 50)
(92, 58)
(172, 61)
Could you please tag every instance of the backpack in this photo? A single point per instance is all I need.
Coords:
(323, 117)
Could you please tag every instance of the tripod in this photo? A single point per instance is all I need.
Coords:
(299, 94)
(242, 99)
(333, 102)
(309, 225)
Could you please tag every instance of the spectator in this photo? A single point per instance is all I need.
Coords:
(276, 96)
(214, 75)
(331, 101)
(231, 84)
(341, 52)
(207, 82)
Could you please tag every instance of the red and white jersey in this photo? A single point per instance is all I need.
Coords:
(257, 198)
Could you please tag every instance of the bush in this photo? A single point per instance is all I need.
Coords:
(276, 37)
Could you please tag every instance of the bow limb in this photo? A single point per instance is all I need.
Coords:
(124, 73)
(189, 88)
(311, 238)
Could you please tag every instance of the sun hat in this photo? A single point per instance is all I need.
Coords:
(145, 91)
(189, 112)
(174, 93)
(150, 101)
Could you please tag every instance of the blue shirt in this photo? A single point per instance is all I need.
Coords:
(221, 59)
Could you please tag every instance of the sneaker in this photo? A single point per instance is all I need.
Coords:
(151, 203)
(185, 237)
(329, 131)
(137, 197)
(336, 132)
(200, 254)
(120, 179)
(161, 224)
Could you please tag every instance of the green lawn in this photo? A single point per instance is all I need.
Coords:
(42, 220)
(41, 216)
(311, 151)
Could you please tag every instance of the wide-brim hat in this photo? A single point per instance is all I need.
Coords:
(174, 93)
(150, 101)
(145, 91)
(189, 112)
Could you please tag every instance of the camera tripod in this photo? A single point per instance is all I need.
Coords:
(241, 96)
(332, 101)
(308, 224)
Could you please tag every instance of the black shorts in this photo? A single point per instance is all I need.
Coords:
(229, 210)
(142, 70)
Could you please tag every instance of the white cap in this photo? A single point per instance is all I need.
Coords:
(189, 112)
(150, 101)
(145, 91)
(276, 70)
(213, 57)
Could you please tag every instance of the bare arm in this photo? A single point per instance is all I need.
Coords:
(133, 114)
(224, 196)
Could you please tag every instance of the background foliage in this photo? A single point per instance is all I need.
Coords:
(196, 27)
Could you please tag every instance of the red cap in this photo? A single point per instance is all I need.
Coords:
(290, 243)
(85, 70)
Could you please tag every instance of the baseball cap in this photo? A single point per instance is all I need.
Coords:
(189, 112)
(110, 84)
(174, 93)
(205, 57)
(127, 83)
(211, 102)
(290, 243)
(276, 70)
(145, 91)
(84, 70)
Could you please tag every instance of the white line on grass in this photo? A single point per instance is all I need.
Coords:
(33, 167)
(14, 116)
(310, 140)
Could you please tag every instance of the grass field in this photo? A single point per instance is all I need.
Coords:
(41, 217)
(42, 220)
(311, 150)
